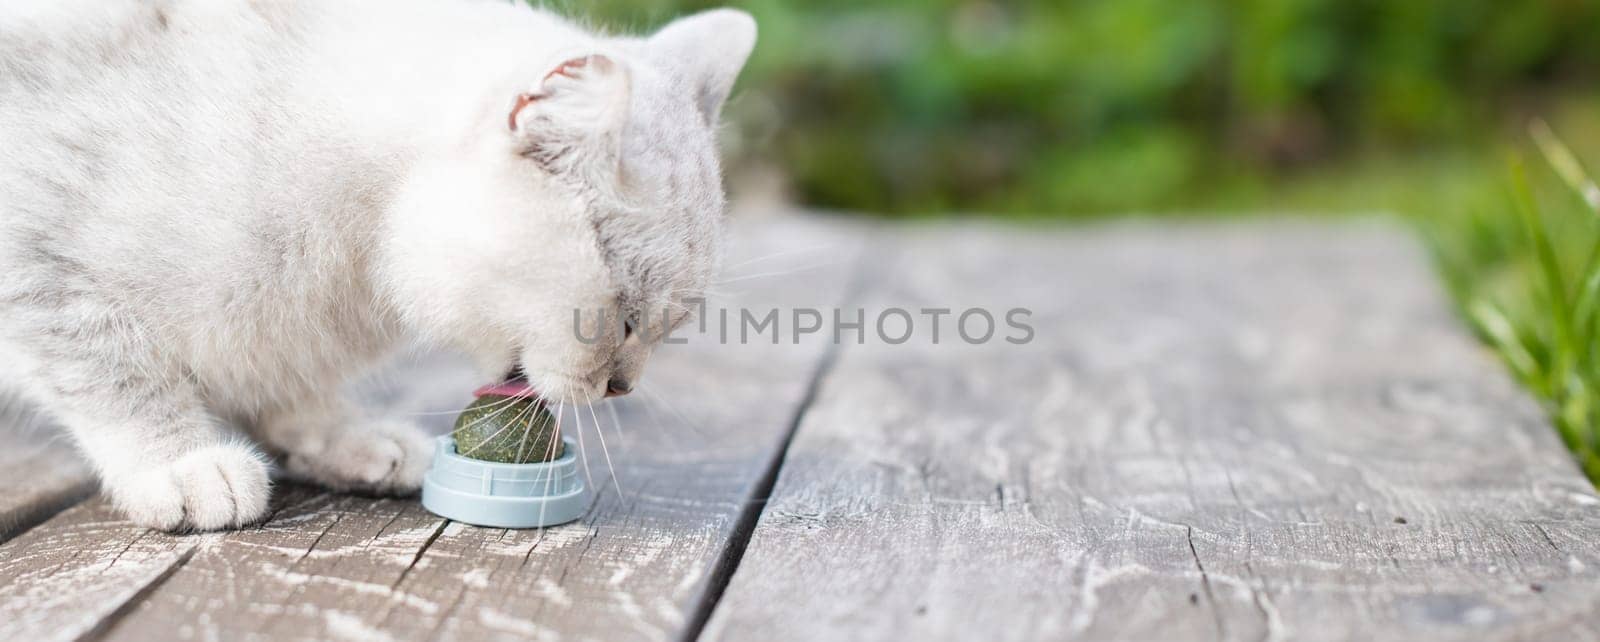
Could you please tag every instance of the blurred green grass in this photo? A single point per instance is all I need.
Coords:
(1070, 108)
(1067, 107)
(1522, 257)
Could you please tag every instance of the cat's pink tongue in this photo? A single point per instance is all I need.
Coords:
(514, 388)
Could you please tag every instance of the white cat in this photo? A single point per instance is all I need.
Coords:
(215, 212)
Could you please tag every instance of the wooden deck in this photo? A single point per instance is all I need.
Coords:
(1233, 431)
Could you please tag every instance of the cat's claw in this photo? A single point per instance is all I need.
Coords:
(386, 457)
(211, 488)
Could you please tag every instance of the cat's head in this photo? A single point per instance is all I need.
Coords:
(597, 189)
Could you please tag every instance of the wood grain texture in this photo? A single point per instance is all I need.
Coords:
(72, 576)
(1241, 431)
(693, 442)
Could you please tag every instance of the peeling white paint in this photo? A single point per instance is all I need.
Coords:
(350, 627)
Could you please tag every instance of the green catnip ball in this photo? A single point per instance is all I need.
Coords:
(507, 430)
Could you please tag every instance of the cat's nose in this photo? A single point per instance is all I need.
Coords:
(618, 386)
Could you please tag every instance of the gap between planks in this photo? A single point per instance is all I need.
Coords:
(727, 563)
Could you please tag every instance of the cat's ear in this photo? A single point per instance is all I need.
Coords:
(706, 51)
(575, 114)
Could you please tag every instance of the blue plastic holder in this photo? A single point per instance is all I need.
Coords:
(486, 493)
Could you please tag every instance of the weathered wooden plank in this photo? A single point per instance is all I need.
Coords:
(295, 577)
(705, 427)
(74, 575)
(40, 473)
(1262, 431)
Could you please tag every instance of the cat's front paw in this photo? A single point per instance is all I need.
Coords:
(383, 457)
(214, 487)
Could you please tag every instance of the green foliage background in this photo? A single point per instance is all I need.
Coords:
(1073, 106)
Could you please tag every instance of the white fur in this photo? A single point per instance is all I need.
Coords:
(215, 212)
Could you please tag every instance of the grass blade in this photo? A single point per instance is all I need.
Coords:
(1503, 334)
(1565, 163)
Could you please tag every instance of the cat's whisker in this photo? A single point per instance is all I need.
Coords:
(485, 440)
(609, 465)
(590, 402)
(768, 257)
(655, 419)
(763, 275)
(678, 307)
(499, 406)
(561, 407)
(601, 432)
(554, 443)
(616, 421)
(503, 402)
(434, 413)
(550, 454)
(528, 412)
(507, 404)
(582, 452)
(682, 420)
(705, 292)
(429, 413)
